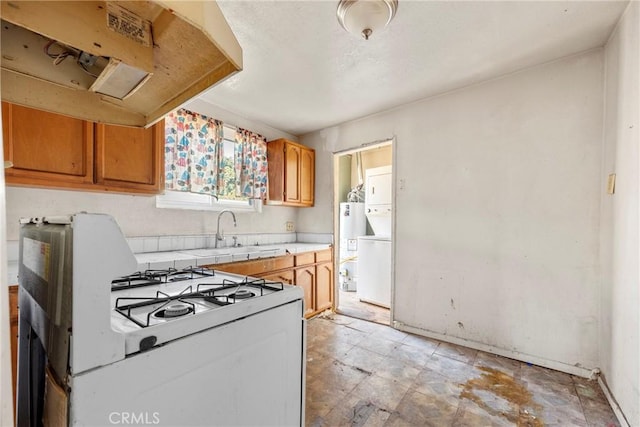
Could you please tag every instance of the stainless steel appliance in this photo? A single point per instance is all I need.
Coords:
(100, 344)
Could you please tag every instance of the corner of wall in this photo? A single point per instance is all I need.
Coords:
(619, 342)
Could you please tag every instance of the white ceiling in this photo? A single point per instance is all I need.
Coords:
(303, 72)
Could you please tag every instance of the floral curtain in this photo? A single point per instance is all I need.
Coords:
(251, 165)
(193, 152)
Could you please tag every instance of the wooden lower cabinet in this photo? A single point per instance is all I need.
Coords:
(257, 267)
(305, 277)
(312, 271)
(324, 288)
(282, 276)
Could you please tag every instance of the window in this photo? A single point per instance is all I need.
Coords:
(210, 166)
(228, 190)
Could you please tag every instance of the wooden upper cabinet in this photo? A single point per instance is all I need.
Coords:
(46, 147)
(54, 151)
(130, 158)
(291, 173)
(307, 176)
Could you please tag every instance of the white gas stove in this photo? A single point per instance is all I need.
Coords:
(191, 299)
(189, 347)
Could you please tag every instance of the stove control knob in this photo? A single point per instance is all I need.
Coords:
(148, 342)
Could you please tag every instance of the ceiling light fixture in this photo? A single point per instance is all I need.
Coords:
(364, 17)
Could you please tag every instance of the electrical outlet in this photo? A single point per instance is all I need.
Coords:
(290, 226)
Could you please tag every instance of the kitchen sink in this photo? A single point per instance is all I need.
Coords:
(239, 253)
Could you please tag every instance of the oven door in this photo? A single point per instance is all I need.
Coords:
(245, 372)
(31, 371)
(45, 315)
(41, 400)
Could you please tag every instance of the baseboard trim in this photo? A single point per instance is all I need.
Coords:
(523, 357)
(612, 402)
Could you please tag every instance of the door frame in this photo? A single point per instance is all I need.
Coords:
(336, 216)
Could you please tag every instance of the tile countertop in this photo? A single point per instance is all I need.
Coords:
(207, 256)
(12, 273)
(12, 262)
(178, 251)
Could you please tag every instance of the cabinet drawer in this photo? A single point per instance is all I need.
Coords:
(256, 267)
(247, 268)
(305, 258)
(283, 262)
(322, 256)
(282, 276)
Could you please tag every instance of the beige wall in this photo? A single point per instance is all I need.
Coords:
(344, 173)
(137, 215)
(497, 209)
(619, 341)
(371, 158)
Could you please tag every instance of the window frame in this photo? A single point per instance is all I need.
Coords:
(204, 202)
(171, 199)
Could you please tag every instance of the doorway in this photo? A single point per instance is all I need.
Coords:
(363, 254)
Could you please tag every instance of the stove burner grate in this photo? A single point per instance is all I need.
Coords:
(163, 302)
(261, 284)
(156, 277)
(242, 294)
(174, 275)
(240, 290)
(169, 307)
(135, 280)
(175, 310)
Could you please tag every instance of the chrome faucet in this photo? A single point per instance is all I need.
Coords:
(220, 236)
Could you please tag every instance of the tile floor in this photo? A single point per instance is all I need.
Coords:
(350, 305)
(361, 373)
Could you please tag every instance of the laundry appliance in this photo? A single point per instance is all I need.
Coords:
(374, 251)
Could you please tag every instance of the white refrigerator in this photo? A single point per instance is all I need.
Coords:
(374, 270)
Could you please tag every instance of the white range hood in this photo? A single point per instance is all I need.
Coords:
(118, 62)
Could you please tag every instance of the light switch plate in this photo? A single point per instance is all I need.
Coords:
(611, 183)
